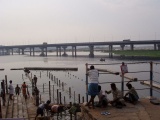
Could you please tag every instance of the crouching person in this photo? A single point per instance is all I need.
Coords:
(57, 108)
(131, 96)
(42, 107)
(103, 101)
(117, 101)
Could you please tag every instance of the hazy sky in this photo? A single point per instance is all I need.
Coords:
(65, 21)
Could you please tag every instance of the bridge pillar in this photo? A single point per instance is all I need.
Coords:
(64, 49)
(91, 54)
(30, 51)
(74, 51)
(8, 51)
(132, 47)
(57, 51)
(12, 51)
(122, 47)
(46, 51)
(22, 51)
(110, 51)
(33, 51)
(158, 46)
(19, 51)
(0, 51)
(43, 51)
(155, 46)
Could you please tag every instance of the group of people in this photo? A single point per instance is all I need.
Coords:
(55, 108)
(17, 90)
(23, 88)
(118, 99)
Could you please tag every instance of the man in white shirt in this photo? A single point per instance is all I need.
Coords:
(11, 90)
(93, 85)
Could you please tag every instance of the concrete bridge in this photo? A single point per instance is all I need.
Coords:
(61, 48)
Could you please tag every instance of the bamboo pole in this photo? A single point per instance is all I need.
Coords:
(129, 78)
(53, 94)
(6, 84)
(60, 100)
(79, 100)
(49, 90)
(57, 96)
(86, 81)
(43, 87)
(69, 92)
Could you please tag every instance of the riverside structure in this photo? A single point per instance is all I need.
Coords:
(61, 48)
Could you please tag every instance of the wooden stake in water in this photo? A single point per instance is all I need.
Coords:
(49, 90)
(60, 100)
(69, 92)
(53, 94)
(6, 84)
(57, 96)
(40, 74)
(59, 83)
(43, 87)
(49, 75)
(79, 100)
(83, 99)
(74, 96)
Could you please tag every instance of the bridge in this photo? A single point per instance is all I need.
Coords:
(62, 47)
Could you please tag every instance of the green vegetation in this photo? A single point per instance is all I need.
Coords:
(149, 53)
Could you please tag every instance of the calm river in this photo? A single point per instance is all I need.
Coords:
(74, 79)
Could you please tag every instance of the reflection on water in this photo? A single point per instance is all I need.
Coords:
(74, 79)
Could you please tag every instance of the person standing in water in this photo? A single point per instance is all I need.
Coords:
(17, 89)
(11, 90)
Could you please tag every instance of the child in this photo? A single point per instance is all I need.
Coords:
(17, 90)
(103, 101)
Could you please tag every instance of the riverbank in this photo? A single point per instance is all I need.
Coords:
(137, 54)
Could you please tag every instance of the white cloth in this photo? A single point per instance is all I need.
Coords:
(124, 69)
(11, 89)
(93, 75)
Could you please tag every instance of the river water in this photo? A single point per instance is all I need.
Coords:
(74, 79)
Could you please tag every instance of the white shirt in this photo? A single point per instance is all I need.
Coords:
(11, 89)
(93, 75)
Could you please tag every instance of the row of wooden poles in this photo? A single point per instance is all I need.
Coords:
(61, 85)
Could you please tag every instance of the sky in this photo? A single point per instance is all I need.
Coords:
(25, 22)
